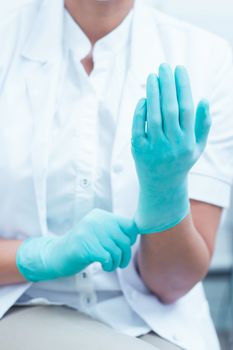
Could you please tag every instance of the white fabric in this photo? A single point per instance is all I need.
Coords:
(223, 256)
(78, 177)
(32, 67)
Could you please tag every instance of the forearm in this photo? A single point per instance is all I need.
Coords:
(9, 274)
(169, 136)
(173, 261)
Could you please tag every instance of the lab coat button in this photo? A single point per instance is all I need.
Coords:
(88, 300)
(84, 275)
(84, 183)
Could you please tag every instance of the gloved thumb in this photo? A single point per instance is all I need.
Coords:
(129, 227)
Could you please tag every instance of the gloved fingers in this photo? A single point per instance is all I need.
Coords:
(154, 117)
(92, 251)
(129, 227)
(108, 266)
(123, 242)
(139, 122)
(114, 251)
(169, 104)
(101, 255)
(203, 123)
(185, 100)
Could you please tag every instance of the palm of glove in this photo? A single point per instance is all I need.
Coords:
(168, 137)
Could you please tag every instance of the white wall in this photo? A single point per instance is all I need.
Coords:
(214, 15)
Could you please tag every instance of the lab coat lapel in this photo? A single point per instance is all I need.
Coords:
(41, 89)
(42, 54)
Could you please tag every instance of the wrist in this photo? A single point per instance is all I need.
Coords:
(162, 208)
(163, 185)
(32, 258)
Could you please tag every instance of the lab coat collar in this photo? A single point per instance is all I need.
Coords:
(45, 40)
(109, 46)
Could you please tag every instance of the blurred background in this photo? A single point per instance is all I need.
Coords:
(215, 16)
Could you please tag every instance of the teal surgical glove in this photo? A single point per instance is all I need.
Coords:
(168, 137)
(99, 237)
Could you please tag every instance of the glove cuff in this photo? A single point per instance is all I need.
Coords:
(30, 258)
(162, 211)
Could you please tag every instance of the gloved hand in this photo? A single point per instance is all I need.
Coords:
(99, 237)
(168, 137)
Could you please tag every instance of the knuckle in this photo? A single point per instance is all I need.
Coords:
(186, 109)
(153, 128)
(105, 257)
(170, 111)
(154, 123)
(187, 151)
(124, 241)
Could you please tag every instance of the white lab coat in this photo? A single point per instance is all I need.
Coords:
(29, 76)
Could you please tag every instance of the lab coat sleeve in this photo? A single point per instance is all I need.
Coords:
(211, 178)
(179, 323)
